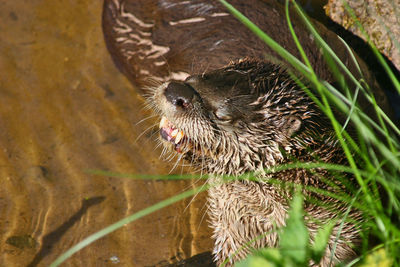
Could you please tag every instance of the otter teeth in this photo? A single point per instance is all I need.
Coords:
(174, 132)
(163, 122)
(178, 137)
(169, 132)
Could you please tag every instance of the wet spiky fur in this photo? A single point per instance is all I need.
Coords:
(244, 118)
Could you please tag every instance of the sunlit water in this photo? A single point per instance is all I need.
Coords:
(65, 108)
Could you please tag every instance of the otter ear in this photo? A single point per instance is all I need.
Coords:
(223, 115)
(293, 124)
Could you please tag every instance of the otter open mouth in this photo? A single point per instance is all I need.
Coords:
(173, 135)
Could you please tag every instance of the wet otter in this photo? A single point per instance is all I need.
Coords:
(244, 118)
(232, 118)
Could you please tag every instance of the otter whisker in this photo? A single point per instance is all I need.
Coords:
(146, 118)
(155, 133)
(204, 214)
(152, 82)
(144, 132)
(163, 152)
(171, 156)
(158, 145)
(148, 106)
(194, 197)
(176, 163)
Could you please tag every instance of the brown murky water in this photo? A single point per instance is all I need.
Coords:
(65, 108)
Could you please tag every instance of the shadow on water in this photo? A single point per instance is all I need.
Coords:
(53, 237)
(64, 108)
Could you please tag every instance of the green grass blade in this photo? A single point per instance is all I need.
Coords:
(332, 54)
(90, 239)
(267, 39)
(321, 241)
(375, 50)
(146, 176)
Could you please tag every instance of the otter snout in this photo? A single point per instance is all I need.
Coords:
(179, 94)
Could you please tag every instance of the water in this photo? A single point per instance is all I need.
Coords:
(65, 108)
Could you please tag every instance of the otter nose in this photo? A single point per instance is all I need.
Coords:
(179, 94)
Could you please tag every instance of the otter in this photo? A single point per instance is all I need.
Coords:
(247, 117)
(229, 107)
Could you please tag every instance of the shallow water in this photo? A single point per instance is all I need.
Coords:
(65, 108)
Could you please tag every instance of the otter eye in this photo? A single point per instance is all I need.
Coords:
(222, 115)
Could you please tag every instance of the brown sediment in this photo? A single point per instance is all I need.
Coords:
(65, 108)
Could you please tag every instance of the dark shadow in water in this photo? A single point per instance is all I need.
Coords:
(200, 260)
(204, 259)
(50, 239)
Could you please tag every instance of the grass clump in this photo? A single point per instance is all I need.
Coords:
(373, 153)
(294, 248)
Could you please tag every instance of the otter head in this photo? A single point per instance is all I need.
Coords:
(243, 117)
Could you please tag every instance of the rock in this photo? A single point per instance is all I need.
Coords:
(379, 18)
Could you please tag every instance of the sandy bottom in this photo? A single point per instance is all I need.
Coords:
(65, 108)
